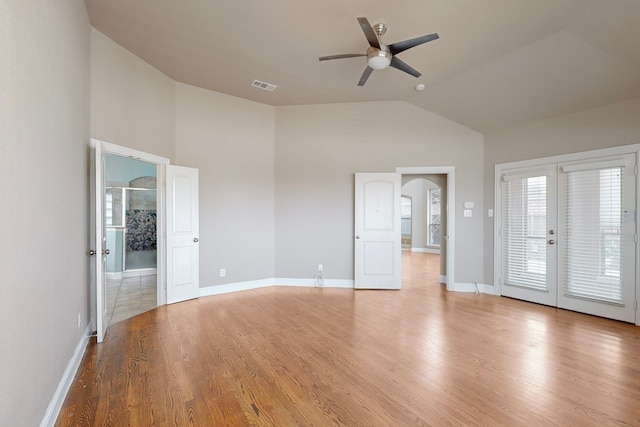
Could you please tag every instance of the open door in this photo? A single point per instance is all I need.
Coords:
(377, 246)
(183, 251)
(98, 249)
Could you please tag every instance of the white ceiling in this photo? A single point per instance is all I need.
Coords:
(497, 64)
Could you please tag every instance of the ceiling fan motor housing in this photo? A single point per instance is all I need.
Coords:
(379, 59)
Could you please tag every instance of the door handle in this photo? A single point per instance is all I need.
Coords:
(551, 242)
(92, 252)
(195, 240)
(106, 252)
(357, 237)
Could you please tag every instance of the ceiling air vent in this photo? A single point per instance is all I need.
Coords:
(263, 85)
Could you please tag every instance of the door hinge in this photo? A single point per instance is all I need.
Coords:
(635, 237)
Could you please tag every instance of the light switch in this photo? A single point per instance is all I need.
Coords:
(468, 213)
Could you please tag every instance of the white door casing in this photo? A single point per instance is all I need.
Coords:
(377, 240)
(182, 221)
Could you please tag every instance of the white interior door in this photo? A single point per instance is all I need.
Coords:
(377, 246)
(98, 242)
(182, 216)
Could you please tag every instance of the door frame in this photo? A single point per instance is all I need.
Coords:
(583, 155)
(159, 161)
(450, 237)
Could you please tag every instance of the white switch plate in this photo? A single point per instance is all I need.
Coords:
(468, 205)
(223, 272)
(468, 213)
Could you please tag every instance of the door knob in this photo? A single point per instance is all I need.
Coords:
(357, 237)
(106, 252)
(195, 239)
(551, 242)
(92, 252)
(551, 232)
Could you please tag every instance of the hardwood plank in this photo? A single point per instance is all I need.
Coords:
(420, 356)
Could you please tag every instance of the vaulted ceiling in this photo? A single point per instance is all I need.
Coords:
(497, 64)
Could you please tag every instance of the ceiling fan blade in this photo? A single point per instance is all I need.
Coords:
(365, 76)
(367, 29)
(344, 55)
(408, 44)
(402, 66)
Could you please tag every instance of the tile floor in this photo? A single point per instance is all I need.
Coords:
(130, 296)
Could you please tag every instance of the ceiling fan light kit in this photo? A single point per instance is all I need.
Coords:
(380, 56)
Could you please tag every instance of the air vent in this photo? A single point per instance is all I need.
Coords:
(263, 85)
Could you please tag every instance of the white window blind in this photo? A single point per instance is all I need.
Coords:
(524, 231)
(593, 230)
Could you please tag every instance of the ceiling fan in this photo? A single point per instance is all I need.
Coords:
(380, 56)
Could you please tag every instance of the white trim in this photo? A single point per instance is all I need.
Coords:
(265, 283)
(235, 287)
(450, 210)
(327, 283)
(472, 287)
(133, 154)
(55, 405)
(426, 250)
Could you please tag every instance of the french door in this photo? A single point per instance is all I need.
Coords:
(567, 235)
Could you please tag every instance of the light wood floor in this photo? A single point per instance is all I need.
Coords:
(287, 356)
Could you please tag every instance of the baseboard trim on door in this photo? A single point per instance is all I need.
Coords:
(55, 405)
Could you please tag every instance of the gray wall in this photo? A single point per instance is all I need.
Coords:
(132, 103)
(318, 149)
(231, 141)
(44, 133)
(609, 126)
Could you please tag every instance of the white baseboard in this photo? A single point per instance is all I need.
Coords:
(235, 287)
(53, 410)
(327, 283)
(256, 284)
(426, 250)
(472, 287)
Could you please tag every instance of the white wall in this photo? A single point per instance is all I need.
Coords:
(44, 133)
(132, 103)
(609, 126)
(320, 147)
(231, 141)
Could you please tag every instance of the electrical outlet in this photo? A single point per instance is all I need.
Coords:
(319, 267)
(79, 319)
(223, 272)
